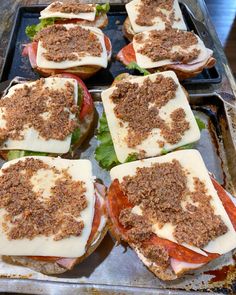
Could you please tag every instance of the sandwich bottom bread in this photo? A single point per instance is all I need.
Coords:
(54, 217)
(171, 213)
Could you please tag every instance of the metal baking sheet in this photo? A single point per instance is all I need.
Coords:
(16, 65)
(115, 269)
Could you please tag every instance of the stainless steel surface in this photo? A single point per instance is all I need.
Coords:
(116, 269)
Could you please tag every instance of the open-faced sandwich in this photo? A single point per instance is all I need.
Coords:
(63, 12)
(169, 212)
(145, 15)
(52, 213)
(50, 116)
(144, 117)
(168, 49)
(70, 48)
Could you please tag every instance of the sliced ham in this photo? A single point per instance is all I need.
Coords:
(181, 266)
(67, 263)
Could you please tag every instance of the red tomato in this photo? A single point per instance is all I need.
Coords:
(127, 54)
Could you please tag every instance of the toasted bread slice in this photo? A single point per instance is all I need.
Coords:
(128, 30)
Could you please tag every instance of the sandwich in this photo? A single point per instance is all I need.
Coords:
(71, 48)
(50, 116)
(144, 117)
(171, 213)
(53, 213)
(146, 15)
(168, 49)
(58, 12)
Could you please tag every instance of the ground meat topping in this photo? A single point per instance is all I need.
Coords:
(63, 44)
(148, 10)
(41, 108)
(139, 107)
(157, 254)
(71, 7)
(159, 45)
(161, 191)
(28, 214)
(138, 228)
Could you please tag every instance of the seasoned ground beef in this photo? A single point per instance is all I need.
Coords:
(63, 44)
(157, 254)
(71, 7)
(159, 45)
(28, 105)
(148, 10)
(138, 228)
(139, 107)
(161, 190)
(28, 215)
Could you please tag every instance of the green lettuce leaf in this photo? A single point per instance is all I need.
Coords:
(105, 152)
(200, 123)
(133, 66)
(102, 8)
(15, 154)
(131, 158)
(75, 136)
(32, 30)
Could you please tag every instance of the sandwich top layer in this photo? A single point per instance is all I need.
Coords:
(70, 10)
(147, 115)
(155, 14)
(46, 207)
(173, 197)
(170, 46)
(67, 46)
(39, 116)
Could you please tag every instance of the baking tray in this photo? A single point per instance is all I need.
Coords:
(16, 65)
(115, 269)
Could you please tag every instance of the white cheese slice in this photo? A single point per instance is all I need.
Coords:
(192, 161)
(32, 140)
(83, 60)
(149, 145)
(45, 246)
(146, 62)
(47, 13)
(159, 24)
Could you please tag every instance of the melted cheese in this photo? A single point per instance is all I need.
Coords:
(46, 13)
(159, 24)
(146, 62)
(192, 161)
(32, 140)
(83, 60)
(149, 145)
(46, 246)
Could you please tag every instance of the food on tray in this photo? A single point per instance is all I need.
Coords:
(168, 49)
(144, 117)
(50, 116)
(58, 12)
(53, 213)
(145, 15)
(71, 48)
(169, 212)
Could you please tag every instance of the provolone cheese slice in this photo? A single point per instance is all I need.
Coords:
(150, 144)
(158, 23)
(192, 162)
(32, 141)
(146, 62)
(83, 60)
(47, 13)
(46, 246)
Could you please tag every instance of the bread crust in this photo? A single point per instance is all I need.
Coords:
(128, 30)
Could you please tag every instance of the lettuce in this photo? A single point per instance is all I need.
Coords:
(133, 66)
(102, 8)
(15, 154)
(200, 123)
(32, 30)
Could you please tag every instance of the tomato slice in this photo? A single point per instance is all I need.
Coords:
(228, 204)
(127, 54)
(87, 104)
(117, 201)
